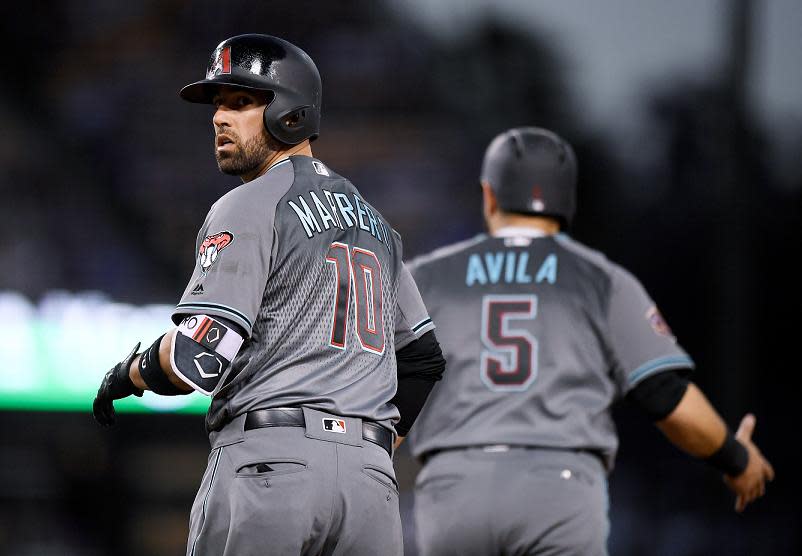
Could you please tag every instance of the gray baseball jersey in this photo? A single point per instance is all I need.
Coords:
(541, 335)
(314, 276)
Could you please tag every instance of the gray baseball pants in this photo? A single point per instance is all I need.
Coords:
(276, 491)
(521, 501)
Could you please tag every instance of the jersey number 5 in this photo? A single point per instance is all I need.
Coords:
(509, 360)
(360, 267)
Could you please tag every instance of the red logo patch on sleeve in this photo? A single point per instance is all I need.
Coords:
(210, 249)
(657, 322)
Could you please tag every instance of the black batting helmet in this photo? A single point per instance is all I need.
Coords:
(532, 171)
(266, 63)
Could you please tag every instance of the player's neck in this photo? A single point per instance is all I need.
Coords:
(548, 226)
(301, 149)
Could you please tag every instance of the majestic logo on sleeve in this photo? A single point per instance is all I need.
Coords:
(210, 249)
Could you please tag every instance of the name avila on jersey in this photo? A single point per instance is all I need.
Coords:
(509, 267)
(339, 212)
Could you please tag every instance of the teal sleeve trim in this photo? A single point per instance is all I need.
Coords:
(657, 365)
(425, 322)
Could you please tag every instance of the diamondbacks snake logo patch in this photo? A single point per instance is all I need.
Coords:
(210, 249)
(658, 323)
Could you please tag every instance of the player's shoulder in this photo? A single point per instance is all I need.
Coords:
(311, 175)
(589, 255)
(615, 272)
(267, 188)
(312, 172)
(443, 254)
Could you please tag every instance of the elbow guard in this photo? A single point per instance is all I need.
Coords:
(202, 351)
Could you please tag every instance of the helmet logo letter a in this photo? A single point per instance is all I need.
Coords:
(222, 63)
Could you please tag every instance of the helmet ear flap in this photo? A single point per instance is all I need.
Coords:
(291, 126)
(294, 118)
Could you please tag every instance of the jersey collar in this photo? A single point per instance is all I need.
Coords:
(519, 231)
(279, 163)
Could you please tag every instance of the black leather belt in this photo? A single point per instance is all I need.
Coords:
(498, 448)
(294, 417)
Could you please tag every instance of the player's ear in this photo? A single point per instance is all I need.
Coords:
(489, 201)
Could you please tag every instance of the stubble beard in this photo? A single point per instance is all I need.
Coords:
(247, 156)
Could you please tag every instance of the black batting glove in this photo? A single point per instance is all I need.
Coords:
(116, 385)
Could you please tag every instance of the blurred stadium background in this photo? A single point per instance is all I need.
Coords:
(687, 120)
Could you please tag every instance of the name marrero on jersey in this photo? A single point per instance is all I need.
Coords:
(338, 211)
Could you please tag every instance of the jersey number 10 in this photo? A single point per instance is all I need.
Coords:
(360, 267)
(509, 357)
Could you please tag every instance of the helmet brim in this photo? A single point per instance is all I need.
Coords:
(203, 92)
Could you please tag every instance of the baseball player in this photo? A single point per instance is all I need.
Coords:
(542, 335)
(300, 321)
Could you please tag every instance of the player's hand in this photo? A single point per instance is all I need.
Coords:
(751, 483)
(116, 385)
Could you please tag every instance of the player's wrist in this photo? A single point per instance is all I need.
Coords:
(131, 387)
(133, 373)
(123, 386)
(731, 458)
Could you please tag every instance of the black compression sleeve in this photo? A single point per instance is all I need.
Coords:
(421, 358)
(420, 365)
(150, 370)
(658, 395)
(409, 399)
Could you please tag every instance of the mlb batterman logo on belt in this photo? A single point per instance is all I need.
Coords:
(334, 425)
(211, 247)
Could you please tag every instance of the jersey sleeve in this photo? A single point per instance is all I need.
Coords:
(232, 262)
(641, 342)
(411, 317)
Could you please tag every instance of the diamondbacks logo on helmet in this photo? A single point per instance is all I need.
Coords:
(221, 63)
(537, 204)
(210, 249)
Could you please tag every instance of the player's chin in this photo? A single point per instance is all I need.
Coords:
(227, 163)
